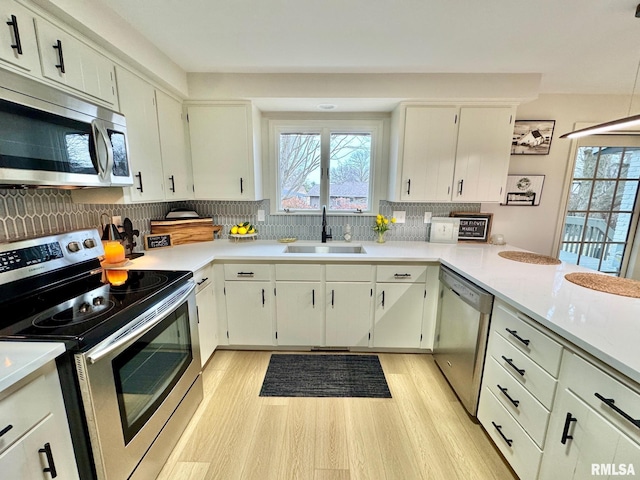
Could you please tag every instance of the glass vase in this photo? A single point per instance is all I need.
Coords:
(380, 237)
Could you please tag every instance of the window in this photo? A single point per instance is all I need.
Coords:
(602, 208)
(325, 163)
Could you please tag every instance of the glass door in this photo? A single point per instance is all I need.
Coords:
(146, 371)
(601, 213)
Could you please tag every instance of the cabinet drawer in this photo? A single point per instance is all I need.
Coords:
(535, 379)
(247, 271)
(523, 455)
(586, 380)
(203, 277)
(23, 409)
(349, 273)
(401, 273)
(543, 350)
(528, 412)
(302, 272)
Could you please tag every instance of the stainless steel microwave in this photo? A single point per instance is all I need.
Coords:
(52, 139)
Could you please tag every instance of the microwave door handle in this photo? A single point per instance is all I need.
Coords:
(104, 136)
(138, 331)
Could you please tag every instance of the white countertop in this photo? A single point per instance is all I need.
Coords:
(606, 326)
(19, 359)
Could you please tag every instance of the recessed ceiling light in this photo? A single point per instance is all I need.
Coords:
(326, 106)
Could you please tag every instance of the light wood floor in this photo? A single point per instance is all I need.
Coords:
(421, 433)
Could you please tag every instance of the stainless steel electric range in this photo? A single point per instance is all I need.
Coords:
(131, 373)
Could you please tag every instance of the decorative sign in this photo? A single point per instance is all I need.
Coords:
(523, 190)
(474, 227)
(157, 240)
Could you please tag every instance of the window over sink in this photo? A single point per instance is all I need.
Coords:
(325, 162)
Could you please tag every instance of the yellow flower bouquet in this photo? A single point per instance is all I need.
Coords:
(382, 225)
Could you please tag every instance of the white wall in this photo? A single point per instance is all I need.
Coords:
(533, 228)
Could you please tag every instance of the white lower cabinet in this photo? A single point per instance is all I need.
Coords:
(595, 425)
(300, 314)
(36, 442)
(249, 290)
(399, 306)
(207, 316)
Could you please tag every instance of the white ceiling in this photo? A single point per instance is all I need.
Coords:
(579, 46)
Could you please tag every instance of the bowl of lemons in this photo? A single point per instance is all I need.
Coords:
(243, 231)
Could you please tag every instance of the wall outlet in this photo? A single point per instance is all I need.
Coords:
(400, 216)
(427, 217)
(261, 215)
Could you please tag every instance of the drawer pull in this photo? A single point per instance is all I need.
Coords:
(504, 392)
(402, 275)
(52, 466)
(610, 402)
(333, 295)
(567, 425)
(263, 297)
(202, 281)
(245, 274)
(5, 430)
(510, 362)
(499, 429)
(313, 298)
(515, 334)
(383, 299)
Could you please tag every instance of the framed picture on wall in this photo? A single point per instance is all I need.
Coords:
(532, 137)
(523, 190)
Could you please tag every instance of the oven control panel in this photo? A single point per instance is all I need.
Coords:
(24, 258)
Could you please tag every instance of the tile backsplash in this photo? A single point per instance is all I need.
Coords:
(28, 213)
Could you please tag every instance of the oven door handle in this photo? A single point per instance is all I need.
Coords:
(140, 328)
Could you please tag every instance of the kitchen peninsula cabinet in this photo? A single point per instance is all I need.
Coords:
(225, 151)
(35, 434)
(248, 290)
(349, 301)
(450, 153)
(299, 305)
(399, 306)
(22, 54)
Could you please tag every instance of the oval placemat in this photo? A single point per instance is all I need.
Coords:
(625, 287)
(528, 257)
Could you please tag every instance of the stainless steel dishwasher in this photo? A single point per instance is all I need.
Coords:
(464, 312)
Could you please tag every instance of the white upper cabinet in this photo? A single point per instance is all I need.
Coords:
(426, 154)
(68, 61)
(18, 45)
(483, 153)
(138, 104)
(225, 151)
(173, 146)
(450, 153)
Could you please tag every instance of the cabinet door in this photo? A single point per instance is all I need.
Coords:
(593, 441)
(483, 153)
(249, 316)
(222, 152)
(175, 165)
(207, 324)
(137, 103)
(429, 153)
(348, 314)
(18, 23)
(300, 313)
(25, 461)
(398, 315)
(59, 55)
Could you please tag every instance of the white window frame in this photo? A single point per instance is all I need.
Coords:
(632, 250)
(375, 127)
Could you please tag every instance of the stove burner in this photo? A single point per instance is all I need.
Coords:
(73, 316)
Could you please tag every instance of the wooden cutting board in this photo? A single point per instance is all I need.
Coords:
(188, 230)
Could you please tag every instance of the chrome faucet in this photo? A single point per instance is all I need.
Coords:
(325, 235)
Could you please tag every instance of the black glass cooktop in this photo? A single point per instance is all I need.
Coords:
(85, 311)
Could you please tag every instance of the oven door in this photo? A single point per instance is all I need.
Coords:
(132, 382)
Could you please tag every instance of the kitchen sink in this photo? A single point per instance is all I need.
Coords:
(325, 249)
